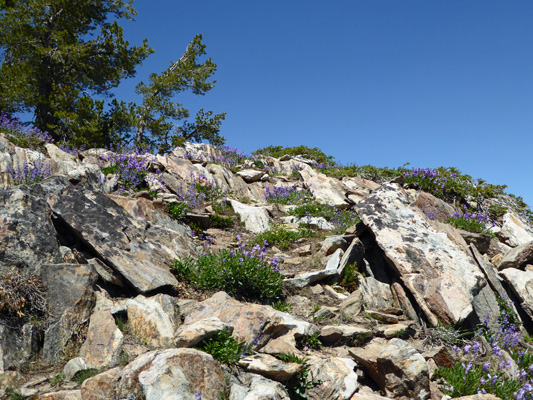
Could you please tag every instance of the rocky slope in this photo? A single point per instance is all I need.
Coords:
(86, 283)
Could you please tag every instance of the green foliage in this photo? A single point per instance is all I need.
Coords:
(292, 358)
(282, 236)
(298, 385)
(283, 306)
(341, 219)
(237, 272)
(315, 308)
(178, 210)
(57, 53)
(57, 380)
(82, 376)
(157, 111)
(224, 348)
(369, 172)
(351, 278)
(497, 210)
(312, 342)
(470, 225)
(14, 395)
(224, 216)
(312, 153)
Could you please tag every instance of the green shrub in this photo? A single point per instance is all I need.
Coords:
(311, 153)
(178, 210)
(312, 342)
(341, 219)
(488, 372)
(82, 376)
(292, 358)
(224, 348)
(245, 274)
(351, 278)
(283, 237)
(470, 225)
(224, 216)
(57, 380)
(283, 306)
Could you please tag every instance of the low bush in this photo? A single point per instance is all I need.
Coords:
(471, 222)
(282, 236)
(241, 273)
(341, 219)
(224, 348)
(490, 372)
(311, 153)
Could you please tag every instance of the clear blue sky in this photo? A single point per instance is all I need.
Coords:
(441, 82)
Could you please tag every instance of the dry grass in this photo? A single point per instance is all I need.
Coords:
(22, 296)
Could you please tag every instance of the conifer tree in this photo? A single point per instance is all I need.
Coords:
(60, 58)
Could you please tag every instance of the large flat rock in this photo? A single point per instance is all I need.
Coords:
(141, 256)
(443, 279)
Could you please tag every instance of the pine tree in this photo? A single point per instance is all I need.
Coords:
(60, 58)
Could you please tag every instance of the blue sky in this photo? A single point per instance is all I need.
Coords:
(370, 82)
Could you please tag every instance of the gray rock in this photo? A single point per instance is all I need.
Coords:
(172, 374)
(28, 237)
(71, 299)
(63, 395)
(75, 365)
(521, 283)
(337, 377)
(326, 189)
(442, 278)
(250, 321)
(354, 254)
(153, 319)
(342, 334)
(308, 278)
(376, 295)
(335, 260)
(256, 219)
(515, 231)
(101, 386)
(254, 387)
(396, 367)
(104, 341)
(270, 367)
(352, 306)
(251, 175)
(518, 257)
(140, 256)
(19, 343)
(332, 244)
(193, 334)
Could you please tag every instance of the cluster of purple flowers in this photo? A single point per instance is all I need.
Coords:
(466, 215)
(288, 195)
(19, 135)
(343, 220)
(197, 190)
(26, 174)
(71, 150)
(427, 178)
(130, 170)
(224, 155)
(257, 253)
(496, 359)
